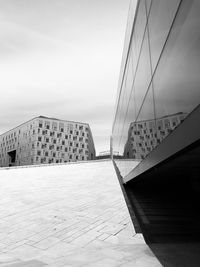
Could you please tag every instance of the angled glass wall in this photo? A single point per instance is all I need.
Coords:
(160, 83)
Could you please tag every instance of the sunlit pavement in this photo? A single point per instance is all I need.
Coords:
(69, 215)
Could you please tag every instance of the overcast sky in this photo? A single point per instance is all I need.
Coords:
(61, 58)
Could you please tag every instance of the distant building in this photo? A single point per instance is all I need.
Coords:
(44, 140)
(107, 154)
(144, 136)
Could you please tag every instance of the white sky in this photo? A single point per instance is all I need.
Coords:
(61, 58)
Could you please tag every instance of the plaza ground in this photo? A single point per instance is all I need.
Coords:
(67, 215)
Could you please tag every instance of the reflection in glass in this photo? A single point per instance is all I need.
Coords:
(162, 80)
(144, 136)
(177, 79)
(141, 133)
(139, 28)
(143, 74)
(160, 20)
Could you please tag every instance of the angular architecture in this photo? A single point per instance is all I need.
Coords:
(44, 140)
(156, 128)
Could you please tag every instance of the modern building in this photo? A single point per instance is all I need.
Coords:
(157, 119)
(44, 140)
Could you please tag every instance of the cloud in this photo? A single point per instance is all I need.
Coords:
(61, 59)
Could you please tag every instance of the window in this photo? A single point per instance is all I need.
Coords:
(39, 138)
(40, 125)
(63, 142)
(66, 136)
(38, 152)
(66, 149)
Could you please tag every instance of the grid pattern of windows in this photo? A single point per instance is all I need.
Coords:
(144, 136)
(45, 140)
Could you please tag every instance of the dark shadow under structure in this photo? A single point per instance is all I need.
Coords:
(166, 201)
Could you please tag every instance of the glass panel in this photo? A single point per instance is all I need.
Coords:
(143, 74)
(127, 105)
(134, 54)
(148, 5)
(160, 20)
(142, 132)
(138, 138)
(177, 79)
(139, 28)
(147, 116)
(128, 82)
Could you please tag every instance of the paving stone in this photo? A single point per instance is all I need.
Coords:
(69, 215)
(32, 263)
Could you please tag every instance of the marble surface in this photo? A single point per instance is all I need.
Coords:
(68, 215)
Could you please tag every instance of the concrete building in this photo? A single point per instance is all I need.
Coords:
(44, 140)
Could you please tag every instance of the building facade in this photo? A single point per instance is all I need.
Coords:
(44, 140)
(156, 127)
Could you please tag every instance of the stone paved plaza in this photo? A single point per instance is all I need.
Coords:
(67, 215)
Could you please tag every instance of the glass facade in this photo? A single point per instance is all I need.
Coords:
(161, 78)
